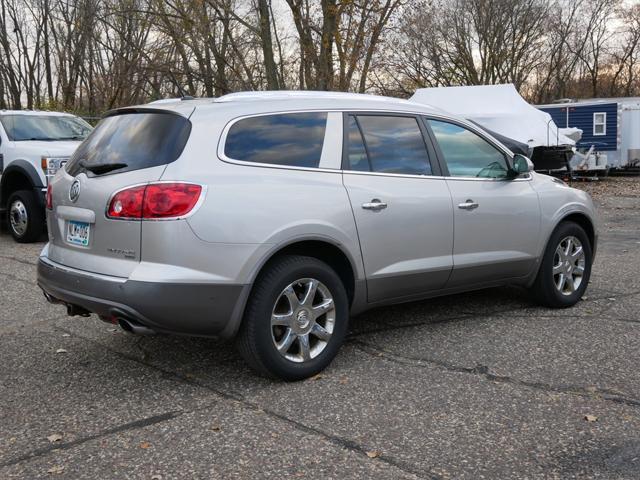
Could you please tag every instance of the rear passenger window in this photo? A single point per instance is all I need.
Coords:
(357, 154)
(291, 139)
(392, 144)
(466, 154)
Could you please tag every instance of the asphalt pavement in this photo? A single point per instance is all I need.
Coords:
(485, 385)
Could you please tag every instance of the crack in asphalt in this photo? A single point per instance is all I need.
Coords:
(136, 424)
(333, 439)
(470, 315)
(626, 320)
(342, 442)
(483, 371)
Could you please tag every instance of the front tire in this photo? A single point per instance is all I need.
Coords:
(25, 217)
(295, 320)
(566, 267)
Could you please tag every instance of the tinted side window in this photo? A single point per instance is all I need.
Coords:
(467, 154)
(395, 144)
(357, 154)
(292, 139)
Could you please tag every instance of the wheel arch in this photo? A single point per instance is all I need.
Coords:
(321, 248)
(19, 175)
(585, 222)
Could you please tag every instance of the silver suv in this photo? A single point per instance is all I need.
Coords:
(273, 217)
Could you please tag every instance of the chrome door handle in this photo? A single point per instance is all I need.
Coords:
(468, 205)
(374, 204)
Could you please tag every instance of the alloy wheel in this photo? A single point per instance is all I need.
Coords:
(302, 320)
(568, 265)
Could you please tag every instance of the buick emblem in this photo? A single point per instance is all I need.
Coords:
(74, 191)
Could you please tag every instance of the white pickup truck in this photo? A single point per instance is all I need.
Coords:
(33, 146)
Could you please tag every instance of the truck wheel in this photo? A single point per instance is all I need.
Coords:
(296, 319)
(566, 267)
(25, 217)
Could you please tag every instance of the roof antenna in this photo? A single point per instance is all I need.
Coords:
(183, 93)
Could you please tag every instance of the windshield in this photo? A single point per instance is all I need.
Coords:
(44, 127)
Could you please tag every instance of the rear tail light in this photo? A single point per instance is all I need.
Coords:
(49, 197)
(155, 201)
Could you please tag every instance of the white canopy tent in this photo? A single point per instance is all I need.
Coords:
(499, 108)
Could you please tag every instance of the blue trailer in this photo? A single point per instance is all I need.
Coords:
(610, 125)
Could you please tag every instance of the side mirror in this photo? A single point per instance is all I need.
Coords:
(522, 164)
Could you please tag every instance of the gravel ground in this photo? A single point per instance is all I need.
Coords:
(482, 385)
(610, 187)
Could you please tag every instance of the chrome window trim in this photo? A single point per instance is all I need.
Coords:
(523, 178)
(435, 115)
(401, 175)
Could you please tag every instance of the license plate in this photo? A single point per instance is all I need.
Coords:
(78, 233)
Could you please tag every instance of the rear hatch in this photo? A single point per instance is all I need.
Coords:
(129, 147)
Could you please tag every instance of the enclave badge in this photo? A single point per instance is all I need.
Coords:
(74, 191)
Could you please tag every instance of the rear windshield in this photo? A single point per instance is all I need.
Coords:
(47, 128)
(131, 141)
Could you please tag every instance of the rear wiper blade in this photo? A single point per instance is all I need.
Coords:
(101, 168)
(36, 139)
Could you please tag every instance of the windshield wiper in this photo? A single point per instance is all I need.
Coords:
(35, 139)
(101, 168)
(76, 137)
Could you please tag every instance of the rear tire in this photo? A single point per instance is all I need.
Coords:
(566, 267)
(286, 334)
(25, 217)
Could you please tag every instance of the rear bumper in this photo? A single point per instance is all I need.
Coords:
(210, 310)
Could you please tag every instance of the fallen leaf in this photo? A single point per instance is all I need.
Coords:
(56, 469)
(373, 454)
(344, 380)
(61, 350)
(585, 297)
(591, 418)
(317, 376)
(56, 437)
(145, 445)
(215, 428)
(66, 335)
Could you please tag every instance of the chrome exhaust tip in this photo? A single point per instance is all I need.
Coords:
(134, 328)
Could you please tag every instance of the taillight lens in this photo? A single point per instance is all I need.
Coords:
(154, 201)
(49, 197)
(127, 203)
(162, 200)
